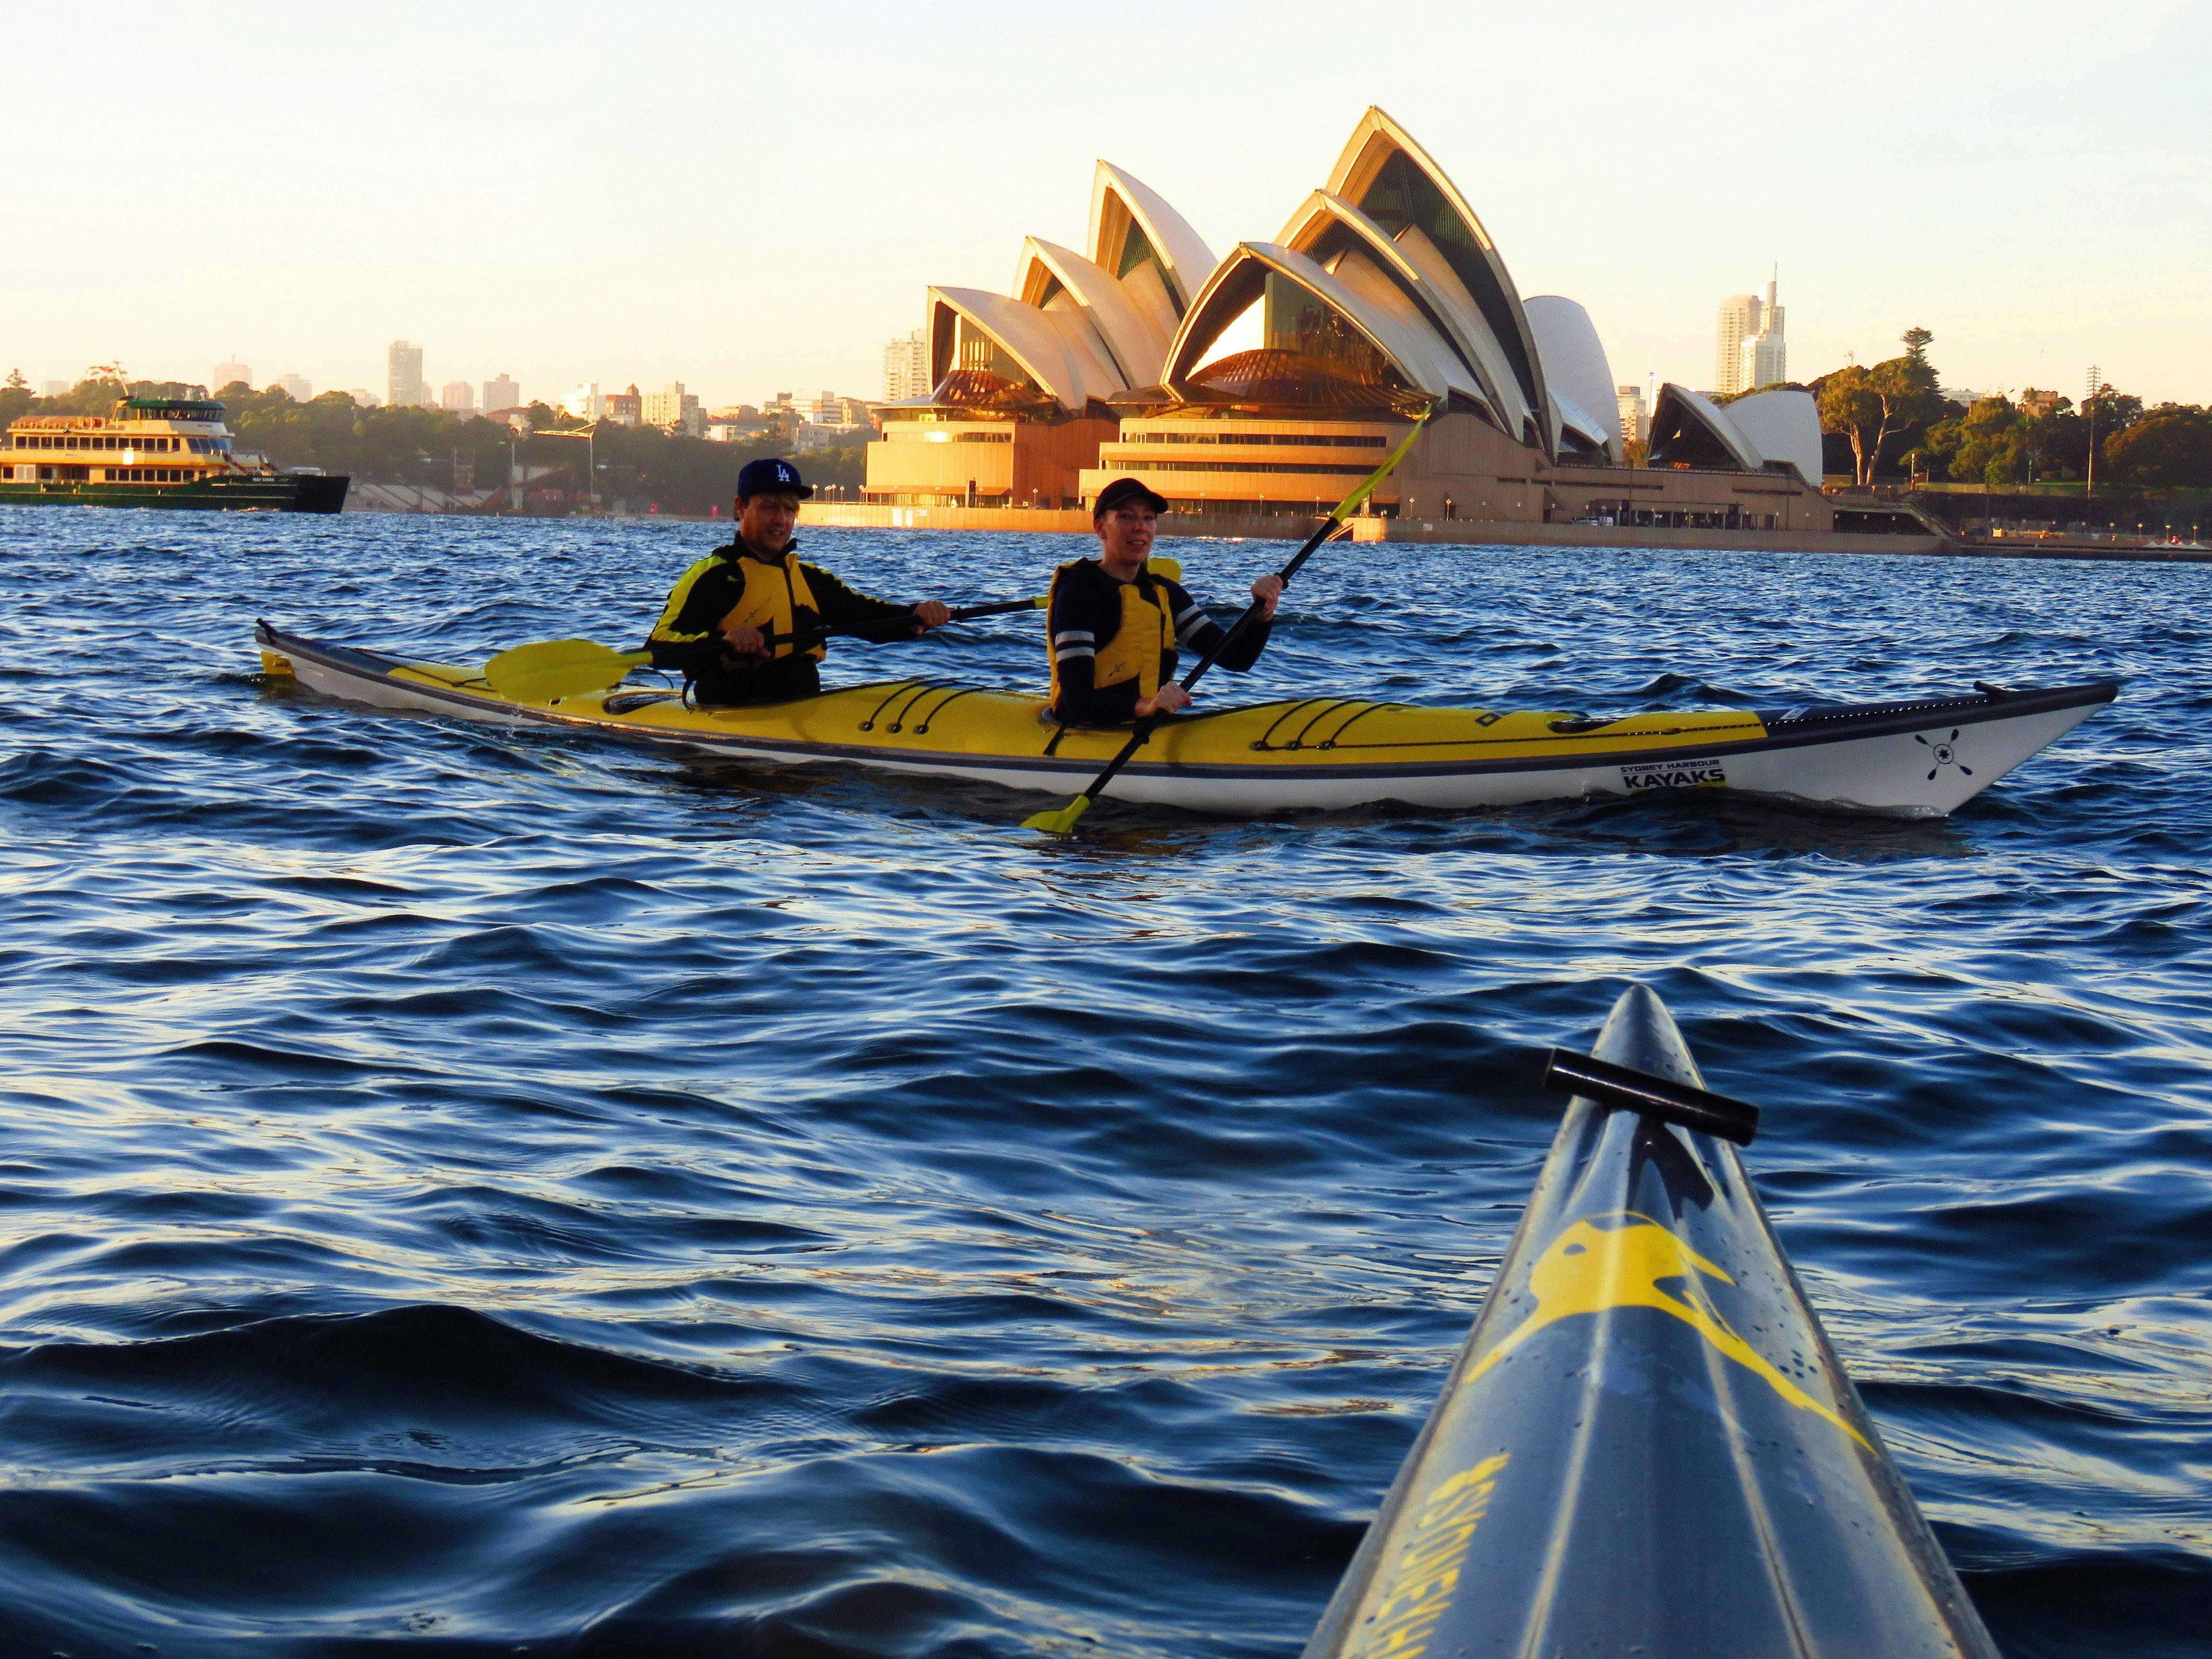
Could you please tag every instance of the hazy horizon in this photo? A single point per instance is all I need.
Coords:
(750, 201)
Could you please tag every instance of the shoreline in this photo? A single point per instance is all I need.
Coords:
(853, 515)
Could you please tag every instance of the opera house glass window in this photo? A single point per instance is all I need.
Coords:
(1406, 202)
(1403, 195)
(980, 353)
(1299, 320)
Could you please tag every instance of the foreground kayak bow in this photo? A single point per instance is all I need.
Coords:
(1647, 1445)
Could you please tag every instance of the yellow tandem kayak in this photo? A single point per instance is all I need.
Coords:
(1922, 758)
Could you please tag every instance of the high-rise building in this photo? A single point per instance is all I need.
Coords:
(1751, 353)
(299, 386)
(459, 396)
(623, 408)
(227, 373)
(1765, 354)
(53, 388)
(1635, 417)
(403, 376)
(1739, 322)
(674, 409)
(362, 396)
(906, 367)
(501, 393)
(583, 401)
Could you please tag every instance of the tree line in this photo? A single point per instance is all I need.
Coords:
(1892, 421)
(438, 448)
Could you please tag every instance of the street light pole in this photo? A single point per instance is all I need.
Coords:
(2089, 486)
(590, 434)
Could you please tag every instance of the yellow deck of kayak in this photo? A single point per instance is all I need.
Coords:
(943, 718)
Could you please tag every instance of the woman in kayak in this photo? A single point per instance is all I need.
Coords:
(1114, 628)
(713, 628)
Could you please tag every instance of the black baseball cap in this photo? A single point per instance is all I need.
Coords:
(1125, 489)
(776, 474)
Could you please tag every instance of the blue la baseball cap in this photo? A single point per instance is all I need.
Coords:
(775, 474)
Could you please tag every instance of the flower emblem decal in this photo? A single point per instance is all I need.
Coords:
(1941, 751)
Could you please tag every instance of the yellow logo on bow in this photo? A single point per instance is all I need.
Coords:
(1588, 1269)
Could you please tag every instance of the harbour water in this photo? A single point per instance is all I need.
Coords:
(467, 1192)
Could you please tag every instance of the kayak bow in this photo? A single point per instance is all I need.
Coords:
(1647, 1445)
(1918, 759)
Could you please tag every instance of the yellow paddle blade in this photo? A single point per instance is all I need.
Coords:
(553, 669)
(1350, 504)
(1061, 820)
(1171, 568)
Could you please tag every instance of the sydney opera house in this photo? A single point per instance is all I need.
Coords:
(1272, 380)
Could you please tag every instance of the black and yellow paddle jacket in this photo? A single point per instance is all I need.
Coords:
(734, 586)
(1113, 642)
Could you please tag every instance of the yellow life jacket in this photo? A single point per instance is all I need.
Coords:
(1140, 640)
(775, 599)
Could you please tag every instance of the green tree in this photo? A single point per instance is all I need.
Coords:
(643, 466)
(1991, 447)
(96, 394)
(2061, 442)
(1848, 405)
(1870, 406)
(2168, 449)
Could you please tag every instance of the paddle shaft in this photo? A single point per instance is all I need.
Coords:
(1152, 723)
(805, 636)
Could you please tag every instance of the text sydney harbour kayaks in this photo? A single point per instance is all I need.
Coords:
(1921, 758)
(1647, 1445)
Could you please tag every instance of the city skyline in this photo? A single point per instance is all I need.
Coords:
(2007, 250)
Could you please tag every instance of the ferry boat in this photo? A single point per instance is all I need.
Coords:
(172, 452)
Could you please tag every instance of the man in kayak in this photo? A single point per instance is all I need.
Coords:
(713, 628)
(1114, 628)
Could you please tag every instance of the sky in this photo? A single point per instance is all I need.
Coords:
(754, 198)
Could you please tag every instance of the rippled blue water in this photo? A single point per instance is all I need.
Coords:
(463, 1189)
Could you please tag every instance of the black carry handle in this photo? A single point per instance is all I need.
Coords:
(1625, 1089)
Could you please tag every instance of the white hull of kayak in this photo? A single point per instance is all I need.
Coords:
(1925, 771)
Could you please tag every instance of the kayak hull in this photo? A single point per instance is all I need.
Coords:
(1648, 1445)
(1920, 759)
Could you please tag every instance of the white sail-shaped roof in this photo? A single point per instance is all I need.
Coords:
(1327, 225)
(1180, 263)
(1359, 273)
(1783, 426)
(1687, 426)
(1758, 434)
(1057, 350)
(1576, 374)
(1420, 355)
(1390, 178)
(1054, 278)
